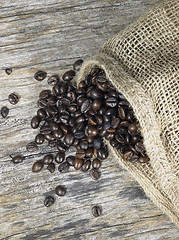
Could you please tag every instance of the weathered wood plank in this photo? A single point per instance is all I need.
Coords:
(51, 35)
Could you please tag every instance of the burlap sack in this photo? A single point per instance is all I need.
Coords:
(142, 63)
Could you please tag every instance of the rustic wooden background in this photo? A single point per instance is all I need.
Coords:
(50, 35)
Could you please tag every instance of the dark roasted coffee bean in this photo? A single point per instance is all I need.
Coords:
(42, 103)
(49, 137)
(133, 127)
(97, 142)
(47, 159)
(68, 76)
(78, 163)
(63, 167)
(43, 123)
(69, 139)
(41, 113)
(96, 211)
(102, 153)
(92, 131)
(95, 174)
(35, 122)
(130, 116)
(121, 113)
(72, 108)
(124, 124)
(114, 143)
(90, 139)
(101, 111)
(122, 130)
(79, 134)
(80, 119)
(13, 98)
(53, 80)
(144, 159)
(64, 128)
(86, 166)
(80, 154)
(60, 191)
(106, 126)
(128, 155)
(61, 146)
(110, 111)
(99, 119)
(70, 160)
(96, 93)
(102, 133)
(60, 157)
(84, 144)
(52, 144)
(124, 104)
(40, 75)
(139, 147)
(134, 158)
(51, 100)
(77, 65)
(111, 102)
(44, 94)
(120, 138)
(56, 90)
(115, 122)
(82, 84)
(102, 86)
(58, 134)
(4, 112)
(31, 147)
(96, 163)
(111, 130)
(89, 153)
(49, 201)
(51, 167)
(109, 136)
(8, 71)
(134, 139)
(53, 126)
(39, 139)
(92, 120)
(37, 166)
(86, 106)
(96, 105)
(52, 109)
(64, 118)
(17, 159)
(76, 142)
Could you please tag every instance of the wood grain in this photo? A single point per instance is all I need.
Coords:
(50, 35)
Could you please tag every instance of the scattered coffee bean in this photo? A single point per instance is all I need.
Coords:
(63, 167)
(77, 65)
(17, 159)
(37, 166)
(60, 191)
(53, 80)
(51, 167)
(4, 112)
(49, 201)
(96, 163)
(31, 147)
(78, 163)
(8, 71)
(95, 174)
(40, 75)
(35, 122)
(60, 157)
(96, 211)
(68, 76)
(39, 139)
(70, 160)
(47, 159)
(13, 98)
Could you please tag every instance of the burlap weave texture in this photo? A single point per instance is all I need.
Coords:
(142, 63)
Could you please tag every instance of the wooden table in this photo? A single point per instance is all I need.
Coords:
(50, 35)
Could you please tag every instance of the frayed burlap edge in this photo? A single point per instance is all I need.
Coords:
(143, 108)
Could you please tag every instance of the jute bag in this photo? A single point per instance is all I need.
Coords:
(142, 63)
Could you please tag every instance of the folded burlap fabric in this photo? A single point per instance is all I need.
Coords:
(142, 63)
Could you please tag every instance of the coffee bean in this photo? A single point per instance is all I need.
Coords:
(31, 147)
(128, 155)
(37, 166)
(109, 136)
(79, 134)
(78, 163)
(41, 103)
(53, 80)
(120, 138)
(86, 106)
(47, 159)
(86, 166)
(96, 163)
(97, 142)
(96, 105)
(49, 201)
(17, 159)
(4, 112)
(121, 113)
(59, 158)
(70, 160)
(106, 126)
(111, 102)
(96, 211)
(63, 167)
(103, 86)
(96, 93)
(134, 158)
(58, 134)
(40, 75)
(139, 147)
(60, 191)
(49, 137)
(69, 139)
(133, 127)
(8, 71)
(77, 65)
(102, 153)
(41, 113)
(110, 111)
(114, 143)
(35, 122)
(95, 174)
(44, 94)
(92, 131)
(84, 145)
(144, 159)
(80, 154)
(39, 139)
(64, 128)
(45, 129)
(52, 144)
(115, 122)
(51, 167)
(13, 98)
(68, 76)
(124, 124)
(72, 108)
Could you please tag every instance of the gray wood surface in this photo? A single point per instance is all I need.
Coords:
(50, 35)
